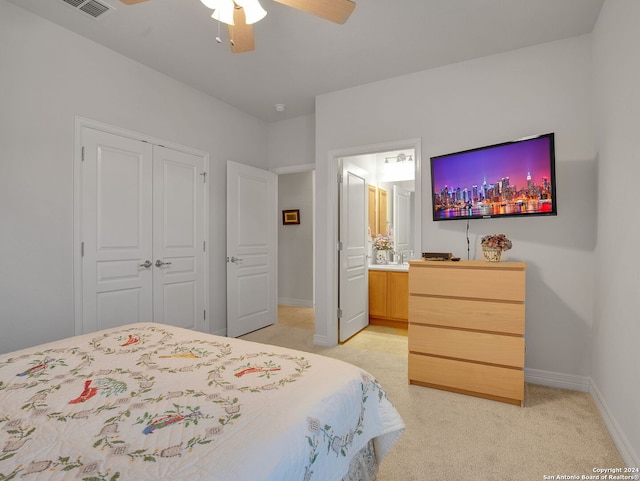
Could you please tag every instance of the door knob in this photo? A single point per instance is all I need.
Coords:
(159, 263)
(146, 264)
(234, 259)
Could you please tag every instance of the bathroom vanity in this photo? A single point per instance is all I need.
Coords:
(389, 295)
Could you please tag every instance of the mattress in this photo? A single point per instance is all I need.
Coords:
(155, 402)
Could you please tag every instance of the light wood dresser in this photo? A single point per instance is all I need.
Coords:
(466, 327)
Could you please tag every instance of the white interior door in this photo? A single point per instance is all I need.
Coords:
(178, 239)
(252, 250)
(117, 231)
(401, 218)
(143, 234)
(353, 297)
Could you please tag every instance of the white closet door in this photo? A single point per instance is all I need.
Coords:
(178, 238)
(117, 231)
(143, 234)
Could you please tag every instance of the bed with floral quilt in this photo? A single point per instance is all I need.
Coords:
(154, 402)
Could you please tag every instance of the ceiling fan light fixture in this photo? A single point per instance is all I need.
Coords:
(240, 15)
(223, 10)
(253, 11)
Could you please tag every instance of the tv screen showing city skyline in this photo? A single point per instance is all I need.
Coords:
(512, 178)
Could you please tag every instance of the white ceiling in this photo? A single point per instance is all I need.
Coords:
(299, 56)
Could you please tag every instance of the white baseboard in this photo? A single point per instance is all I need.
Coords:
(629, 456)
(322, 341)
(294, 302)
(556, 379)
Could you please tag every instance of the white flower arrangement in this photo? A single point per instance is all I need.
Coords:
(382, 243)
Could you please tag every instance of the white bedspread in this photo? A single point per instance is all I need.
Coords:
(155, 402)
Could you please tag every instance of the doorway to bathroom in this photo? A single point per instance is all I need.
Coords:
(378, 200)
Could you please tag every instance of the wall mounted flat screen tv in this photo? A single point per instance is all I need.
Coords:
(515, 179)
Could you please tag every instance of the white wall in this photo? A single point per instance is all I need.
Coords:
(295, 242)
(616, 363)
(48, 76)
(541, 89)
(291, 142)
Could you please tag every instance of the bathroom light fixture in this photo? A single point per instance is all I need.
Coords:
(399, 158)
(398, 166)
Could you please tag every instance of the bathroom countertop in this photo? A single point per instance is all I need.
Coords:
(389, 267)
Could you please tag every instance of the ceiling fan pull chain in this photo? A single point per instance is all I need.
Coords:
(218, 39)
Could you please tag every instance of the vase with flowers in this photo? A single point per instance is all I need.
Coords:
(382, 245)
(493, 245)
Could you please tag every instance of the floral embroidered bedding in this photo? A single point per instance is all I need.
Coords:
(155, 402)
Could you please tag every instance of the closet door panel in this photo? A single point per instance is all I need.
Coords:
(178, 238)
(117, 231)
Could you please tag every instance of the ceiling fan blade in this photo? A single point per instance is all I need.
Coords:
(132, 2)
(337, 11)
(241, 34)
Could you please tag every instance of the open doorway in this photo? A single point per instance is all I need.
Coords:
(296, 257)
(327, 285)
(375, 204)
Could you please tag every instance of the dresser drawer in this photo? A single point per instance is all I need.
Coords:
(504, 317)
(468, 345)
(468, 280)
(467, 377)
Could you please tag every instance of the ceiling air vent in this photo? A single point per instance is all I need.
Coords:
(92, 8)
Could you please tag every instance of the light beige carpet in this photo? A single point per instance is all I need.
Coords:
(453, 437)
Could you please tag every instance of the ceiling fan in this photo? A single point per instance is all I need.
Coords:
(241, 29)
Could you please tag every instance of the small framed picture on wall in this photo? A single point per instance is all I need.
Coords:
(291, 217)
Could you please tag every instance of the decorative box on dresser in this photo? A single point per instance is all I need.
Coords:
(466, 327)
